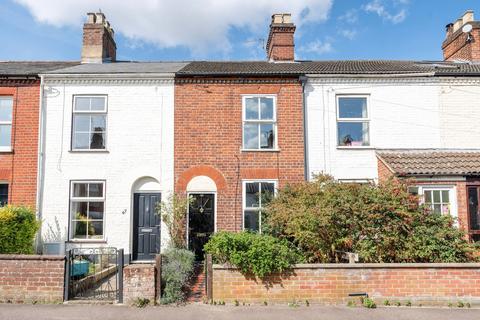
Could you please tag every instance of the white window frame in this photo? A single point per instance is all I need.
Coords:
(273, 121)
(86, 199)
(353, 120)
(244, 199)
(10, 123)
(89, 112)
(452, 194)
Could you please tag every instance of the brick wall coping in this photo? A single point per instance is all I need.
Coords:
(31, 257)
(372, 266)
(139, 266)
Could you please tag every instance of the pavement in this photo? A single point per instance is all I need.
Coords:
(207, 312)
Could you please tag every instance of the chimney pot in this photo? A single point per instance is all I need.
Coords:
(279, 18)
(100, 18)
(449, 29)
(91, 17)
(467, 17)
(457, 24)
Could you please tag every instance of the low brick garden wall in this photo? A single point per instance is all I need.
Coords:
(426, 284)
(139, 282)
(31, 278)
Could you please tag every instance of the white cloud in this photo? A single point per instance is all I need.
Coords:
(377, 7)
(201, 26)
(318, 47)
(349, 34)
(351, 16)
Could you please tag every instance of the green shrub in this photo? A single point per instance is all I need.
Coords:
(177, 269)
(18, 226)
(254, 254)
(382, 223)
(369, 303)
(173, 213)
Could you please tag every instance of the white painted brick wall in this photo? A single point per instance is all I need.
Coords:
(403, 115)
(139, 144)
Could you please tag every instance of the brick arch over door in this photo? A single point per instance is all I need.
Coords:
(208, 171)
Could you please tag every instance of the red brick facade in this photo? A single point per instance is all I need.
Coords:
(384, 172)
(31, 278)
(18, 168)
(426, 284)
(208, 139)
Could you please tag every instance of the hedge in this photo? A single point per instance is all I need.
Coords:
(18, 226)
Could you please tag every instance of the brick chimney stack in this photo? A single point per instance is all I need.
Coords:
(280, 43)
(460, 45)
(98, 40)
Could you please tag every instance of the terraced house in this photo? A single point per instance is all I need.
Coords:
(19, 122)
(119, 136)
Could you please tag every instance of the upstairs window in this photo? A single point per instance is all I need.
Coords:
(256, 195)
(6, 111)
(89, 123)
(259, 123)
(87, 208)
(353, 124)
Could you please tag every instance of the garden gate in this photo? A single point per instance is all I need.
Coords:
(94, 274)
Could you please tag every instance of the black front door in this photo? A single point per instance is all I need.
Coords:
(146, 226)
(201, 222)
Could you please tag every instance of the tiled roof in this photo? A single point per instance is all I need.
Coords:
(31, 68)
(244, 68)
(301, 67)
(345, 67)
(432, 162)
(124, 67)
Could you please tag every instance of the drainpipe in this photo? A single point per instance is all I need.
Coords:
(303, 81)
(40, 162)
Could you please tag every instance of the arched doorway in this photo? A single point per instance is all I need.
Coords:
(146, 223)
(201, 213)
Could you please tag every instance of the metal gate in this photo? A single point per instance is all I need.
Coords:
(94, 274)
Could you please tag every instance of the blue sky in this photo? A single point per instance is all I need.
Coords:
(231, 30)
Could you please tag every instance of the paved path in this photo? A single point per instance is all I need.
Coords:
(206, 312)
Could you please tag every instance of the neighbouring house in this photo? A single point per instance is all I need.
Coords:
(108, 141)
(19, 122)
(371, 120)
(120, 136)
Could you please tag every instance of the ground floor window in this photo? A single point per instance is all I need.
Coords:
(3, 194)
(440, 199)
(87, 208)
(256, 195)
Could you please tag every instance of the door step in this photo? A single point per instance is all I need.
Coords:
(197, 290)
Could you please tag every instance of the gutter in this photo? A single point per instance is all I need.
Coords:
(116, 76)
(303, 81)
(396, 75)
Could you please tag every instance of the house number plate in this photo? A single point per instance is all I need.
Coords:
(146, 230)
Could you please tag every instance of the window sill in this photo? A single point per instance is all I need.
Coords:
(88, 151)
(355, 148)
(86, 241)
(6, 150)
(260, 150)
